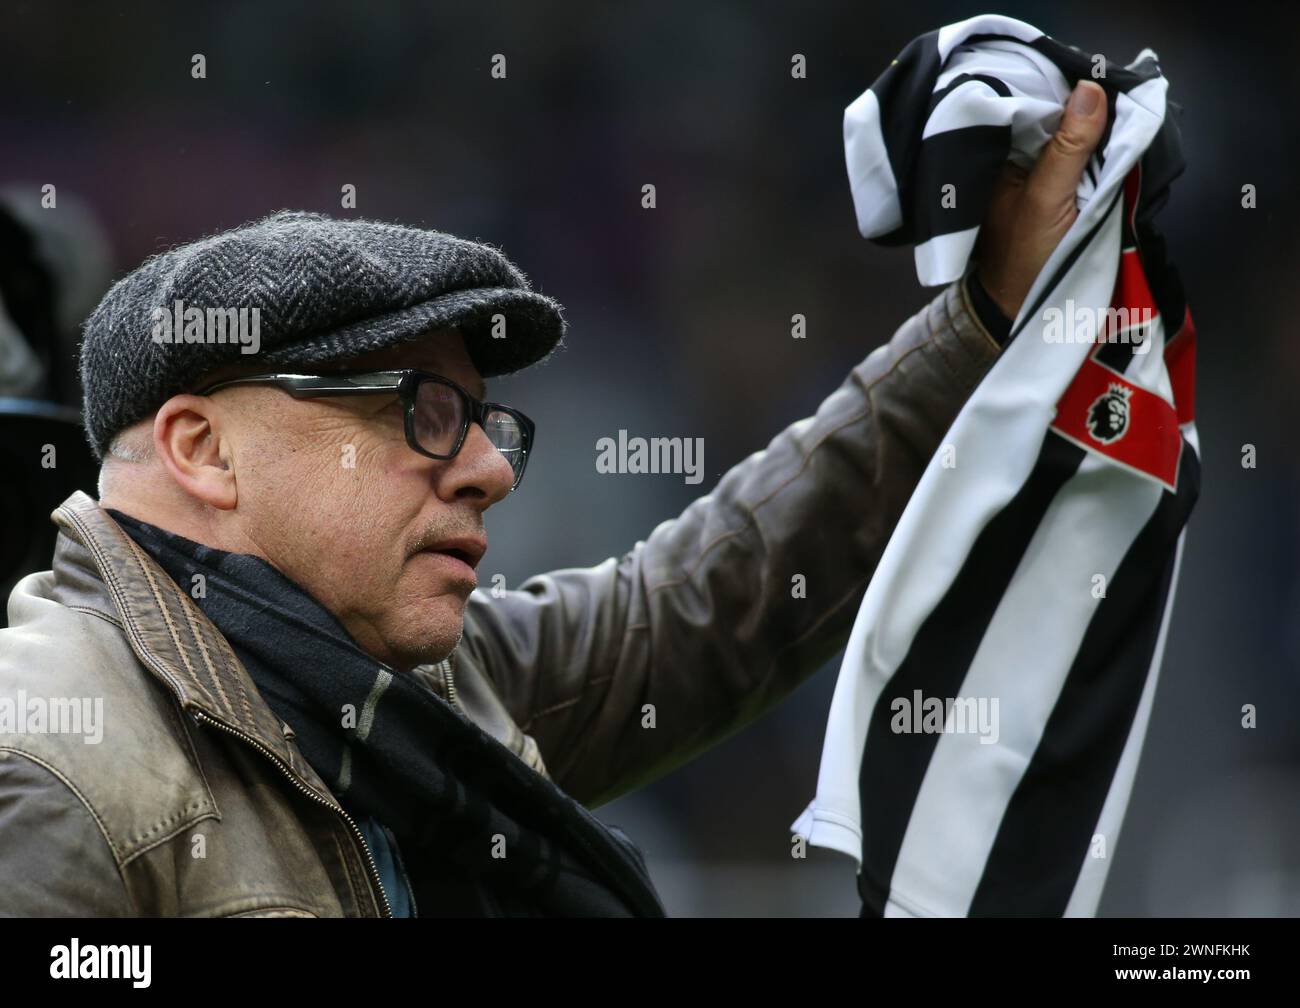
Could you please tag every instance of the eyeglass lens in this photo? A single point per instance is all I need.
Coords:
(440, 414)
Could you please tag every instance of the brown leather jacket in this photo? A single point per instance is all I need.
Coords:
(196, 801)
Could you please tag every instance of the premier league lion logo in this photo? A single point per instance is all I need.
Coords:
(1108, 414)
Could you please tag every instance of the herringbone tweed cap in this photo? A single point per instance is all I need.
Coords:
(327, 290)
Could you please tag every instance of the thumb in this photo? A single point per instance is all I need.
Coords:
(1055, 177)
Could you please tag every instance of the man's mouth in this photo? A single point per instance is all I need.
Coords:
(459, 555)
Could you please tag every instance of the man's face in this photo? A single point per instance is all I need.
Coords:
(332, 495)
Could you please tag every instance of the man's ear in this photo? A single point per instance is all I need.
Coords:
(189, 440)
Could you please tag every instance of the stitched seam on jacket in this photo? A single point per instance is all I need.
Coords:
(173, 627)
(969, 309)
(206, 655)
(179, 721)
(354, 890)
(267, 911)
(111, 576)
(212, 668)
(174, 833)
(557, 707)
(937, 343)
(99, 823)
(166, 615)
(207, 658)
(102, 615)
(964, 321)
(193, 628)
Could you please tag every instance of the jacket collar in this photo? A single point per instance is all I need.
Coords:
(96, 563)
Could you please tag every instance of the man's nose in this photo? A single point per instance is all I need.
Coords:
(479, 470)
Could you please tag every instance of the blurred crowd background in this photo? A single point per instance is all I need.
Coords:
(679, 318)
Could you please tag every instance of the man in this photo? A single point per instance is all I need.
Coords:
(292, 698)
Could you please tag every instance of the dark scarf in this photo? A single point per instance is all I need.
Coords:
(452, 795)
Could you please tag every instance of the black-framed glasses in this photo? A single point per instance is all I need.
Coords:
(438, 411)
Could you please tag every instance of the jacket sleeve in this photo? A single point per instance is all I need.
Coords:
(45, 832)
(625, 670)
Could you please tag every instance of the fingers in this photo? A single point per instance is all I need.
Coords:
(1055, 178)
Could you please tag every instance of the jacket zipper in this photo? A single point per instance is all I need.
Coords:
(356, 831)
(450, 679)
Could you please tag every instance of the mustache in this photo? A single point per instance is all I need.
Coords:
(434, 534)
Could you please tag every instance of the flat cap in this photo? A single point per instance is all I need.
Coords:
(324, 289)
